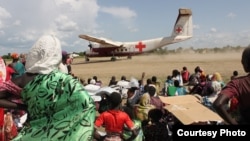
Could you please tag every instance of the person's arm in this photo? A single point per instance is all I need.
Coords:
(97, 136)
(12, 88)
(135, 132)
(98, 123)
(5, 103)
(131, 127)
(13, 71)
(220, 105)
(143, 79)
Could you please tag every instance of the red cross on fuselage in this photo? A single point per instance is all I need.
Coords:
(140, 46)
(178, 29)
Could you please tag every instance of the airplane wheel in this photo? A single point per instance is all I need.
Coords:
(87, 59)
(129, 57)
(113, 59)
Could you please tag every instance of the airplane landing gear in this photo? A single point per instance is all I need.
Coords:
(86, 59)
(113, 58)
(129, 57)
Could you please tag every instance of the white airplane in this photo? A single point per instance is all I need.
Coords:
(183, 30)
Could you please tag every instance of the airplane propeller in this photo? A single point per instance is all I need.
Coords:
(90, 45)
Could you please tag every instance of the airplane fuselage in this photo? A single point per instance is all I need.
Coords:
(132, 48)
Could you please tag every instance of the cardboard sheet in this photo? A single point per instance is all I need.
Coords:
(188, 109)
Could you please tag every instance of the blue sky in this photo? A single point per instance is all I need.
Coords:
(217, 23)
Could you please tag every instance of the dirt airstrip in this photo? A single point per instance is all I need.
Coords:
(158, 65)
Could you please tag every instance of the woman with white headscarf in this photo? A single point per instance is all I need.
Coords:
(58, 106)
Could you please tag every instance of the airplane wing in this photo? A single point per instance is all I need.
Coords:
(101, 41)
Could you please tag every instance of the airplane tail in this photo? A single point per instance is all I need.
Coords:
(183, 26)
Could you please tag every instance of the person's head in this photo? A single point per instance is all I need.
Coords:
(155, 115)
(198, 69)
(176, 83)
(22, 55)
(131, 91)
(245, 59)
(95, 77)
(140, 82)
(203, 78)
(82, 81)
(44, 56)
(175, 73)
(144, 100)
(149, 81)
(115, 100)
(88, 81)
(113, 78)
(184, 68)
(208, 89)
(169, 77)
(112, 81)
(154, 79)
(151, 90)
(235, 73)
(209, 77)
(216, 76)
(123, 77)
(64, 56)
(15, 57)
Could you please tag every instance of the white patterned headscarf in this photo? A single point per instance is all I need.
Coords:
(44, 56)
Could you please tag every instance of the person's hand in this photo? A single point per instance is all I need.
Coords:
(200, 123)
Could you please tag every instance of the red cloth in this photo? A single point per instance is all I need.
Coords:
(239, 89)
(9, 72)
(11, 88)
(114, 121)
(1, 124)
(234, 104)
(1, 117)
(185, 76)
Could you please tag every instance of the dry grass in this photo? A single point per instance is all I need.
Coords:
(158, 65)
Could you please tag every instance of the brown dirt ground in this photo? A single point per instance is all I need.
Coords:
(158, 65)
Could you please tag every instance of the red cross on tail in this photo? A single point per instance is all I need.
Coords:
(178, 29)
(140, 46)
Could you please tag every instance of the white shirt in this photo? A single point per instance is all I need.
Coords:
(92, 88)
(123, 84)
(63, 68)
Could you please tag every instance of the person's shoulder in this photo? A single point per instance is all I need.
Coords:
(20, 63)
(240, 78)
(10, 69)
(106, 113)
(24, 79)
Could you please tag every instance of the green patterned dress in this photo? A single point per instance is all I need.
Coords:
(140, 136)
(59, 109)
